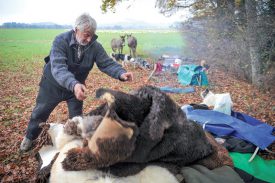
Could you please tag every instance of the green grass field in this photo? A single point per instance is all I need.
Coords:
(19, 47)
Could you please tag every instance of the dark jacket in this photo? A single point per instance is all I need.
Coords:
(64, 69)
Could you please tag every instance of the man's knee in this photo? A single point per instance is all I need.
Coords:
(42, 112)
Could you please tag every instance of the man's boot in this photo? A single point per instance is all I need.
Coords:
(26, 144)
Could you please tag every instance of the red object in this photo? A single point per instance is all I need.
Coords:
(175, 65)
(159, 67)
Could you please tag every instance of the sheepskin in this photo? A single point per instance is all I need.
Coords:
(163, 135)
(149, 174)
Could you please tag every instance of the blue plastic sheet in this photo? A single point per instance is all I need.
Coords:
(220, 124)
(177, 90)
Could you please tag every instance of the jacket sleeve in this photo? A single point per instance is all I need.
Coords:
(59, 67)
(106, 64)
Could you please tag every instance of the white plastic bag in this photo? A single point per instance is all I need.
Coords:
(221, 102)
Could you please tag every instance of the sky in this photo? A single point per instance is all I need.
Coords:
(65, 12)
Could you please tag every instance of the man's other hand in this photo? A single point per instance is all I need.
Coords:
(79, 91)
(128, 76)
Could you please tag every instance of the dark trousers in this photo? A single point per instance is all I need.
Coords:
(49, 96)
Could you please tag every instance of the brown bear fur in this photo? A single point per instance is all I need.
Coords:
(128, 107)
(161, 134)
(220, 156)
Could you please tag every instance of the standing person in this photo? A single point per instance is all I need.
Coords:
(71, 58)
(205, 67)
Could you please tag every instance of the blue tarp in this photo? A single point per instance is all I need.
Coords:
(177, 90)
(246, 118)
(220, 124)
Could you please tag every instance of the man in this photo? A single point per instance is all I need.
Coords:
(72, 57)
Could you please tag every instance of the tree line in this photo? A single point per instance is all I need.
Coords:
(35, 25)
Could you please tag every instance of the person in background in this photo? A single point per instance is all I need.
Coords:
(72, 57)
(205, 67)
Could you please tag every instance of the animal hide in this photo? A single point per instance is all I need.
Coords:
(161, 135)
(57, 174)
(220, 156)
(113, 141)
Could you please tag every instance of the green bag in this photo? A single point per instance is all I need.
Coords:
(259, 168)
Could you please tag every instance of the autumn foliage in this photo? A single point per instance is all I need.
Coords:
(19, 90)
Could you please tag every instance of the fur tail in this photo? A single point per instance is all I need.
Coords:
(105, 94)
(100, 92)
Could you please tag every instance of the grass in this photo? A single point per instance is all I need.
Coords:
(150, 43)
(24, 46)
(28, 47)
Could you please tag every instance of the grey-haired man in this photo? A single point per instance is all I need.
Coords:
(71, 58)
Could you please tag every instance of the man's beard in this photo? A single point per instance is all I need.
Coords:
(79, 41)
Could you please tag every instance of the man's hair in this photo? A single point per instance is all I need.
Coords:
(85, 21)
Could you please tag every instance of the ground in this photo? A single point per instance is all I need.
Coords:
(19, 90)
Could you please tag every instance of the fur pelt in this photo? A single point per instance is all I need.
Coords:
(98, 152)
(220, 156)
(43, 175)
(161, 134)
(82, 127)
(58, 174)
(128, 107)
(149, 174)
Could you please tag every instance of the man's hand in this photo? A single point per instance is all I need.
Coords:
(79, 91)
(128, 76)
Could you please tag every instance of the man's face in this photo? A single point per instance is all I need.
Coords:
(83, 38)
